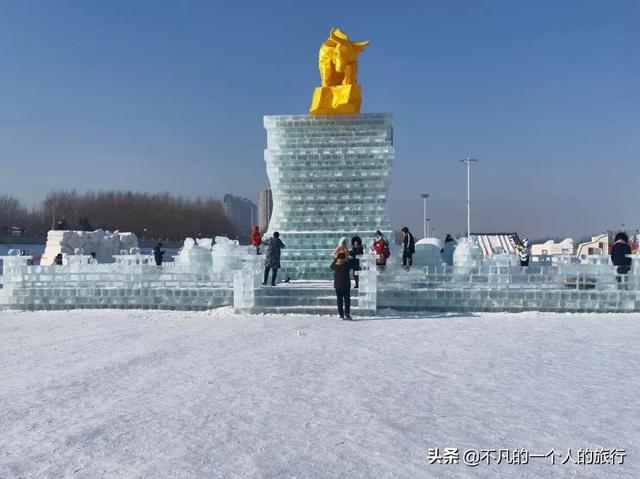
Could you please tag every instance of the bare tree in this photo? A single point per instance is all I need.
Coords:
(12, 212)
(150, 216)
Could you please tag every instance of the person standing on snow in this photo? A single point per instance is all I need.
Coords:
(619, 252)
(380, 248)
(356, 250)
(256, 238)
(274, 247)
(408, 247)
(342, 285)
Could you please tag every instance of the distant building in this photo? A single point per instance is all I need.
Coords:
(600, 244)
(265, 207)
(565, 247)
(241, 212)
(497, 243)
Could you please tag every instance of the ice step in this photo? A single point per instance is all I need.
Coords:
(323, 311)
(268, 301)
(297, 291)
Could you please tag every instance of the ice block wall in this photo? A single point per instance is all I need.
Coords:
(329, 177)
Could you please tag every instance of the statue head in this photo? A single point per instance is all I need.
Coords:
(345, 52)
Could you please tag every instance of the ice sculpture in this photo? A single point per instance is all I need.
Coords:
(329, 176)
(466, 256)
(227, 254)
(223, 257)
(428, 253)
(195, 254)
(104, 244)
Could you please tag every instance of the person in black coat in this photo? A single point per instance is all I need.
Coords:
(356, 250)
(342, 284)
(158, 254)
(619, 252)
(408, 247)
(272, 260)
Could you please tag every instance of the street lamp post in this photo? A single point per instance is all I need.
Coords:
(425, 223)
(468, 161)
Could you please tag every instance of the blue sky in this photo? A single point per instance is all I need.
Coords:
(169, 96)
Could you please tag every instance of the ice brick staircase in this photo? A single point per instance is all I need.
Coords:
(308, 297)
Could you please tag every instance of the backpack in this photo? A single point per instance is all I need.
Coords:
(385, 251)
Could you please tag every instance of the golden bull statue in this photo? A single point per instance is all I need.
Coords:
(338, 64)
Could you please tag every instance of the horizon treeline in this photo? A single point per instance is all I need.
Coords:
(149, 216)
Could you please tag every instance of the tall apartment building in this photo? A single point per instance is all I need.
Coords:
(242, 212)
(265, 207)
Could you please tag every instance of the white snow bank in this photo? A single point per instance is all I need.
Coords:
(157, 394)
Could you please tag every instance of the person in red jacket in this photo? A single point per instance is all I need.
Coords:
(256, 238)
(380, 248)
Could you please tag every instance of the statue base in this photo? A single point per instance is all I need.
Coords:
(329, 176)
(336, 100)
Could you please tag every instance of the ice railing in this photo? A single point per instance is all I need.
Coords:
(490, 286)
(564, 276)
(200, 277)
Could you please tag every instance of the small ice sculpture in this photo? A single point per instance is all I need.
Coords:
(226, 255)
(466, 257)
(428, 253)
(195, 254)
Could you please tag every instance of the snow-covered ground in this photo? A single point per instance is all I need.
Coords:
(95, 394)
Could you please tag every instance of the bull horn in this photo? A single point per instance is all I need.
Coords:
(359, 46)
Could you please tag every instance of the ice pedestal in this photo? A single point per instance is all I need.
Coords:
(245, 282)
(367, 285)
(244, 292)
(329, 177)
